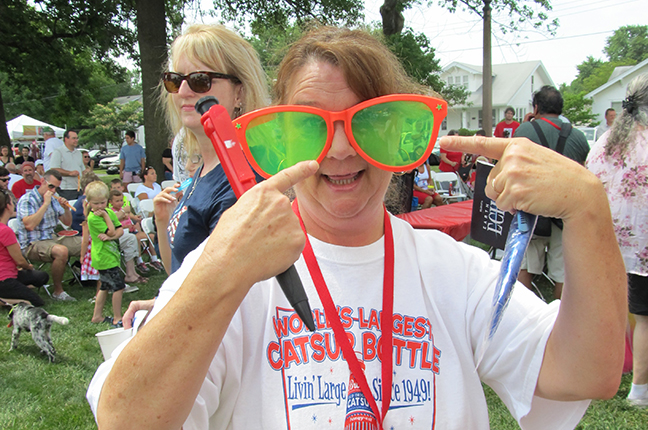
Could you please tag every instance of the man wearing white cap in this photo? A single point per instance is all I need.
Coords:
(51, 143)
(40, 170)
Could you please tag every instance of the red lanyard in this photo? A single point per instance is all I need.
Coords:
(552, 123)
(385, 326)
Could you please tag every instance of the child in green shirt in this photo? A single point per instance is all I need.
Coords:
(105, 231)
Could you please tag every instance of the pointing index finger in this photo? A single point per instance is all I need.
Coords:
(286, 178)
(491, 147)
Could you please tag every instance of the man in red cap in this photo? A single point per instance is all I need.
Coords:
(27, 182)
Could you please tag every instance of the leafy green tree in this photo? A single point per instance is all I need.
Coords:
(417, 57)
(577, 108)
(626, 47)
(628, 43)
(519, 14)
(154, 17)
(108, 122)
(49, 47)
(271, 43)
(284, 13)
(585, 70)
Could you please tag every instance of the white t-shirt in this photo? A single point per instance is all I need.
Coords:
(50, 145)
(269, 372)
(151, 193)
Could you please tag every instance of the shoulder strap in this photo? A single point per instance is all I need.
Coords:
(565, 129)
(541, 136)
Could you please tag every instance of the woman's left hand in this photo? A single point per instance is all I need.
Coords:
(532, 178)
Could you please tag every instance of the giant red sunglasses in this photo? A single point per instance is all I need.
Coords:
(395, 132)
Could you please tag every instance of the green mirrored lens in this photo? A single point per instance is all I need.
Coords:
(394, 133)
(283, 139)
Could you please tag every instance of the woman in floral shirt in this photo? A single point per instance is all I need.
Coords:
(620, 160)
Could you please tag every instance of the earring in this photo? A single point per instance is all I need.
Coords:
(237, 112)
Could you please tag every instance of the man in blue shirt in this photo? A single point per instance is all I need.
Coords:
(132, 160)
(38, 213)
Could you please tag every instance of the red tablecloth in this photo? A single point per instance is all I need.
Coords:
(452, 219)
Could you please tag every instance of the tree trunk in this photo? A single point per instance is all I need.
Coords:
(392, 17)
(5, 139)
(487, 74)
(151, 36)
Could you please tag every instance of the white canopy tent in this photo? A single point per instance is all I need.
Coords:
(25, 127)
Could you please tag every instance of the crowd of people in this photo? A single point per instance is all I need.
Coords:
(222, 347)
(50, 223)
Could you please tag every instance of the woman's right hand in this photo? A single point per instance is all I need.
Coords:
(133, 307)
(261, 226)
(165, 203)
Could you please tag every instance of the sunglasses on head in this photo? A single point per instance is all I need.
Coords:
(199, 82)
(395, 132)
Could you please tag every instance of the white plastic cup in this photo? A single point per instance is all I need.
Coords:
(111, 339)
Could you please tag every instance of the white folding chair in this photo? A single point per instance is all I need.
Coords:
(443, 181)
(132, 187)
(134, 204)
(148, 227)
(168, 183)
(14, 224)
(146, 207)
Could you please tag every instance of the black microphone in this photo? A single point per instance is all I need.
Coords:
(218, 127)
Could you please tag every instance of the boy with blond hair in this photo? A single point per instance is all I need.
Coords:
(105, 230)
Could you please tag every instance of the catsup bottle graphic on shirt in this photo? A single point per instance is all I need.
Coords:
(359, 415)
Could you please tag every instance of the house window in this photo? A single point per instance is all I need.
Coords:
(465, 80)
(519, 114)
(450, 80)
(532, 83)
(444, 124)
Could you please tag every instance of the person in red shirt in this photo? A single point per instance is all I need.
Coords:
(27, 182)
(450, 161)
(16, 284)
(507, 127)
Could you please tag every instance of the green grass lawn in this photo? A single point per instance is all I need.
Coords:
(37, 395)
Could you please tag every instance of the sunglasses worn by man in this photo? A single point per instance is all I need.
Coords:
(199, 82)
(395, 132)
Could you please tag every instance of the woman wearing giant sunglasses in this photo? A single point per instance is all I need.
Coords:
(205, 60)
(400, 313)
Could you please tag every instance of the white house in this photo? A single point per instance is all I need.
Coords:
(513, 85)
(610, 94)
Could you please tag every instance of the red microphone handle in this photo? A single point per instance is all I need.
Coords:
(218, 126)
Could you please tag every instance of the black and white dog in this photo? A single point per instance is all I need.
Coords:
(27, 317)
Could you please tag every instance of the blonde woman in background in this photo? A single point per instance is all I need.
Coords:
(235, 77)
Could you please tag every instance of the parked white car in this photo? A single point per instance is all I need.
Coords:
(109, 161)
(590, 134)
